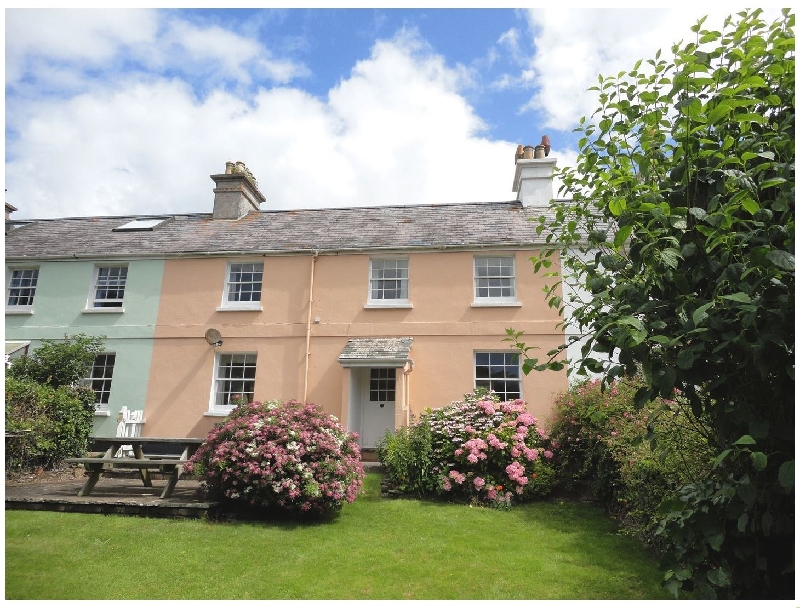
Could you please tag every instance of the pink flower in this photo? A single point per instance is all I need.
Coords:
(548, 454)
(472, 458)
(487, 407)
(457, 477)
(479, 482)
(531, 454)
(446, 485)
(613, 433)
(526, 419)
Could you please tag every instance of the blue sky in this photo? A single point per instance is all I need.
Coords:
(115, 112)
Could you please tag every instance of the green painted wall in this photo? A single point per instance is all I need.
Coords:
(61, 295)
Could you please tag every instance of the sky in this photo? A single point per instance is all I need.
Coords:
(129, 111)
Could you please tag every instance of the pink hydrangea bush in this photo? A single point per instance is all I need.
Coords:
(288, 456)
(489, 452)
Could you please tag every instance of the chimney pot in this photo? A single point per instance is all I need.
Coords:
(229, 168)
(527, 152)
(538, 151)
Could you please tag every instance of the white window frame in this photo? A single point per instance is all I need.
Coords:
(21, 308)
(374, 282)
(94, 304)
(507, 362)
(217, 385)
(229, 304)
(494, 300)
(107, 381)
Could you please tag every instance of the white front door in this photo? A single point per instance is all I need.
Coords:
(377, 409)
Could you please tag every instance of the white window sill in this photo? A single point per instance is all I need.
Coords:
(389, 304)
(105, 413)
(217, 414)
(496, 303)
(103, 310)
(19, 311)
(240, 308)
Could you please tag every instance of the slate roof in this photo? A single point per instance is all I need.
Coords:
(460, 226)
(375, 350)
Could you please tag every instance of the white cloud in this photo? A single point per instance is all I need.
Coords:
(574, 46)
(72, 35)
(395, 131)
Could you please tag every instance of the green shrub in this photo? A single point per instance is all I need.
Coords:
(57, 363)
(51, 423)
(406, 459)
(606, 447)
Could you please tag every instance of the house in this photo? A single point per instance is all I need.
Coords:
(375, 313)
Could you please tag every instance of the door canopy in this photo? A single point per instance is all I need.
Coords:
(376, 352)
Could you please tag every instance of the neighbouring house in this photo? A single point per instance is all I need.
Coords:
(375, 313)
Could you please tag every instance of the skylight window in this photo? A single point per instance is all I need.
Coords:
(140, 224)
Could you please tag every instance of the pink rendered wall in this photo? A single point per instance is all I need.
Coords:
(445, 327)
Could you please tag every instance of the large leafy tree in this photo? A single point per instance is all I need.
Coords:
(680, 235)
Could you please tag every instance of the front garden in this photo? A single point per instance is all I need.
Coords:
(375, 548)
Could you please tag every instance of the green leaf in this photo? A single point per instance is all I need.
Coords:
(786, 475)
(718, 577)
(672, 586)
(716, 540)
(775, 181)
(759, 460)
(699, 315)
(781, 259)
(750, 206)
(622, 235)
(745, 440)
(718, 460)
(738, 297)
(685, 359)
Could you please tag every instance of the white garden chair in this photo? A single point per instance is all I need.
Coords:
(130, 424)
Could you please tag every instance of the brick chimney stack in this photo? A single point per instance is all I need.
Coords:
(237, 192)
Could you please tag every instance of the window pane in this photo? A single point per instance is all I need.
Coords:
(22, 287)
(236, 375)
(100, 378)
(110, 286)
(244, 282)
(382, 384)
(389, 280)
(499, 372)
(494, 277)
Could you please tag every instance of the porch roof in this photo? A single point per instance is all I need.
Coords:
(375, 352)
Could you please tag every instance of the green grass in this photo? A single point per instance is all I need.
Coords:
(375, 549)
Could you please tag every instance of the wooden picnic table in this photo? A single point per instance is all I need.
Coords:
(167, 454)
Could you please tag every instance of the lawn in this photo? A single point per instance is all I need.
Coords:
(375, 549)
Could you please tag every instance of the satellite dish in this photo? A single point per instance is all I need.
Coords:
(213, 337)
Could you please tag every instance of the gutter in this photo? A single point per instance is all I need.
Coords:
(247, 253)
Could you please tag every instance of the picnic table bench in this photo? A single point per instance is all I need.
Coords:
(167, 454)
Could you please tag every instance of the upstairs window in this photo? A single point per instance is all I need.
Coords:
(99, 379)
(234, 381)
(108, 288)
(243, 285)
(495, 280)
(388, 282)
(22, 288)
